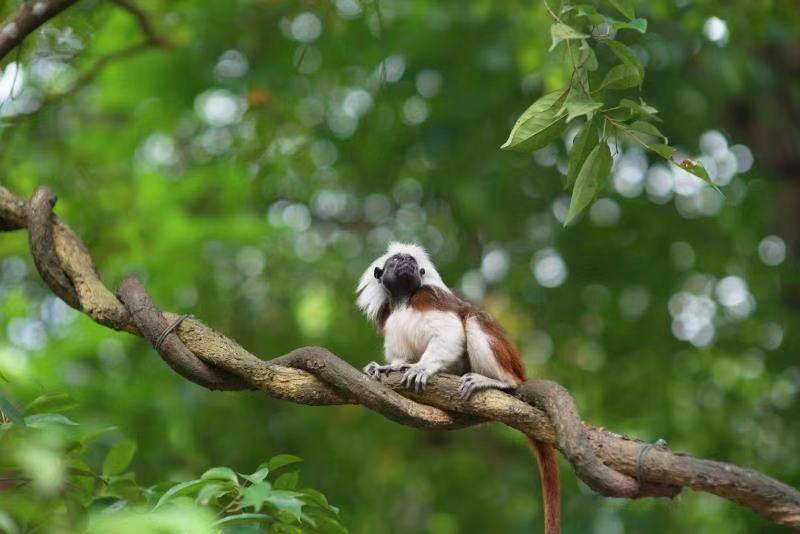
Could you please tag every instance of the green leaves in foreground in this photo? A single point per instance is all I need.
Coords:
(267, 497)
(51, 463)
(594, 97)
(119, 457)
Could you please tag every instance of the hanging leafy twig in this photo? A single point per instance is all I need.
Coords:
(589, 96)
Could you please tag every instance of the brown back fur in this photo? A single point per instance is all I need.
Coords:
(506, 352)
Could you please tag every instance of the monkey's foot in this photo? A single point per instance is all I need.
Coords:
(376, 371)
(472, 382)
(416, 378)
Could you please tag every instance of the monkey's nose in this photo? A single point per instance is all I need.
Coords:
(406, 269)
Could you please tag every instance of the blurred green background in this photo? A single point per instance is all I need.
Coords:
(250, 173)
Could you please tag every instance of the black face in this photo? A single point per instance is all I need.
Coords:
(400, 275)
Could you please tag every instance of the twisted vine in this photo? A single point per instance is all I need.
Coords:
(612, 464)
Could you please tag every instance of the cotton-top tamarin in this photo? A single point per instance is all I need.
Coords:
(427, 330)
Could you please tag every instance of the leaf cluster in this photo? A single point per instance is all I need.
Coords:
(62, 475)
(606, 99)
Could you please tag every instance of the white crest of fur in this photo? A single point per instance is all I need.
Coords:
(372, 295)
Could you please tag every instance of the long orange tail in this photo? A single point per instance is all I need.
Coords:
(551, 486)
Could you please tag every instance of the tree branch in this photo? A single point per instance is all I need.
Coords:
(25, 19)
(315, 376)
(143, 19)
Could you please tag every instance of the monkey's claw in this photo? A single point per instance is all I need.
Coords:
(472, 382)
(376, 371)
(468, 384)
(416, 377)
(372, 370)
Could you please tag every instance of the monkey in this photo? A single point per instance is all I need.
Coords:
(427, 329)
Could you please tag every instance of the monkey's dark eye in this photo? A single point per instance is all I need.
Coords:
(422, 272)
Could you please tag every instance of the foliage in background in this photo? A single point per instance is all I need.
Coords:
(60, 476)
(251, 172)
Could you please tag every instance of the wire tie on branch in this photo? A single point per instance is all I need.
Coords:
(168, 330)
(660, 443)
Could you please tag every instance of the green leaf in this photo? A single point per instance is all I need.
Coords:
(585, 10)
(287, 501)
(696, 168)
(181, 518)
(665, 151)
(584, 142)
(538, 125)
(256, 477)
(82, 470)
(328, 525)
(40, 420)
(577, 106)
(626, 55)
(94, 434)
(588, 59)
(180, 489)
(239, 519)
(640, 108)
(314, 497)
(212, 491)
(287, 481)
(221, 473)
(590, 179)
(582, 57)
(281, 460)
(625, 7)
(640, 25)
(7, 524)
(256, 495)
(647, 129)
(118, 483)
(106, 504)
(119, 457)
(621, 77)
(8, 408)
(50, 403)
(561, 32)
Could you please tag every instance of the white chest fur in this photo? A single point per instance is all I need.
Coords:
(409, 333)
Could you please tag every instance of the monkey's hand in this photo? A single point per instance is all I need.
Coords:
(376, 371)
(417, 376)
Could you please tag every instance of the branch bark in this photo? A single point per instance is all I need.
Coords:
(27, 18)
(315, 376)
